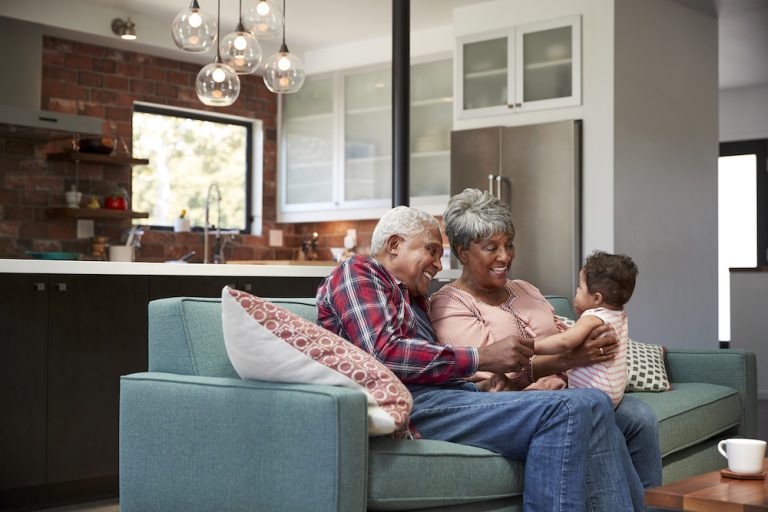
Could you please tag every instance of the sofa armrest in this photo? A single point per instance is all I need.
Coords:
(727, 367)
(190, 443)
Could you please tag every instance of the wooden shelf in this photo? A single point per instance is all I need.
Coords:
(74, 156)
(93, 213)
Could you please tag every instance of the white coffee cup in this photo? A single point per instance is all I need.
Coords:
(744, 455)
(120, 253)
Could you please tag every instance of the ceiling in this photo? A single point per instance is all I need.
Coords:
(314, 24)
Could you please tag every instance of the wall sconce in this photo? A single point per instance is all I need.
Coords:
(125, 29)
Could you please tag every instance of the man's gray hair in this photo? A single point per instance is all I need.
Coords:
(474, 216)
(404, 221)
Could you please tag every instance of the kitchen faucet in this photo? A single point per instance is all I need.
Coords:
(213, 186)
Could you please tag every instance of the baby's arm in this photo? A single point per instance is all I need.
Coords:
(568, 339)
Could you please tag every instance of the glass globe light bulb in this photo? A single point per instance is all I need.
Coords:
(194, 30)
(217, 85)
(284, 72)
(263, 18)
(239, 43)
(284, 63)
(218, 75)
(195, 20)
(241, 51)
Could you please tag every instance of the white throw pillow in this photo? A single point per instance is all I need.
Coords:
(267, 342)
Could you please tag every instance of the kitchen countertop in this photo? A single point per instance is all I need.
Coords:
(20, 266)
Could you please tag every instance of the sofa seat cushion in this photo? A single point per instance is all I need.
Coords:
(693, 412)
(413, 474)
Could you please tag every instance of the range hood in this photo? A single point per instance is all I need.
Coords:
(21, 51)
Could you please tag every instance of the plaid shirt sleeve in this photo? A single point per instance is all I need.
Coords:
(363, 303)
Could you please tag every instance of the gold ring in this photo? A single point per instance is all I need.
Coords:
(601, 351)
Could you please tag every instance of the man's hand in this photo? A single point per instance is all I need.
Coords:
(599, 347)
(506, 355)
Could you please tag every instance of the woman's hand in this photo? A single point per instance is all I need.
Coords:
(599, 347)
(495, 383)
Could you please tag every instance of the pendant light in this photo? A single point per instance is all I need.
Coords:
(240, 50)
(283, 71)
(264, 19)
(217, 84)
(194, 30)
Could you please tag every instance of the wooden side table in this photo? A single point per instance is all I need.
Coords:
(711, 492)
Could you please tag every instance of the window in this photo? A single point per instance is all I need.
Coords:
(742, 189)
(188, 151)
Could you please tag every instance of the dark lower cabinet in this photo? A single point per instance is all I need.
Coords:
(23, 328)
(66, 340)
(97, 331)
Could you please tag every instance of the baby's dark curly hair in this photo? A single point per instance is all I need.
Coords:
(612, 275)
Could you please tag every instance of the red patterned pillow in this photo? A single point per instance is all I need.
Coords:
(267, 342)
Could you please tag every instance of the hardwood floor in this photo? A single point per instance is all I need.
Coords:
(96, 506)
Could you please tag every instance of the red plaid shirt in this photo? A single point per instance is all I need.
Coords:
(363, 303)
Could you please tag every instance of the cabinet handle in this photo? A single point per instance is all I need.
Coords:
(40, 287)
(62, 287)
(518, 105)
(510, 106)
(498, 187)
(490, 184)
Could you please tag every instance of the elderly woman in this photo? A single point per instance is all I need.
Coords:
(482, 306)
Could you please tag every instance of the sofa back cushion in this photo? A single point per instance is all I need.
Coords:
(186, 336)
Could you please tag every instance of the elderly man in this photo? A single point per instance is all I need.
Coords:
(577, 459)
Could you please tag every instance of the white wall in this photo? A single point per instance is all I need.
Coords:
(744, 113)
(665, 169)
(748, 311)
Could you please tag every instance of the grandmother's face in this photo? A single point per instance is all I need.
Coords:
(486, 263)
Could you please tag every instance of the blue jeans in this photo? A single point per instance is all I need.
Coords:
(579, 460)
(640, 427)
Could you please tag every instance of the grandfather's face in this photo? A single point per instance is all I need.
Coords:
(416, 260)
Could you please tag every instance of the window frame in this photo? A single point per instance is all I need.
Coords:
(253, 161)
(759, 148)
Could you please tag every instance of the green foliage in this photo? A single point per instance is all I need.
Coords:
(185, 157)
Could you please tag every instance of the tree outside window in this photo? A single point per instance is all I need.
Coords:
(188, 151)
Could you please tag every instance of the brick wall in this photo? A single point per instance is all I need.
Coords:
(103, 82)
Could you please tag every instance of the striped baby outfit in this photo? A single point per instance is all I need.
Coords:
(610, 377)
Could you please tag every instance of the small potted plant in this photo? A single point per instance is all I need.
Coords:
(117, 199)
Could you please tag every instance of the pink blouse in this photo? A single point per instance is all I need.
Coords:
(460, 319)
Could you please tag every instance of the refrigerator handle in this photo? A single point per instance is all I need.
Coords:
(490, 183)
(498, 187)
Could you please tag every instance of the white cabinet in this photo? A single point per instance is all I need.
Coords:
(307, 149)
(336, 144)
(524, 68)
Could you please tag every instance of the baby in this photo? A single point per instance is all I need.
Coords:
(606, 283)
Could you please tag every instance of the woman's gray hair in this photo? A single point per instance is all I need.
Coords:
(404, 221)
(473, 216)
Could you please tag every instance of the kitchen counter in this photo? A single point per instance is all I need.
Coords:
(296, 269)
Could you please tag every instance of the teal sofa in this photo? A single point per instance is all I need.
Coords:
(195, 437)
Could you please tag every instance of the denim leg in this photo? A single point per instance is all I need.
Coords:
(640, 427)
(612, 483)
(555, 432)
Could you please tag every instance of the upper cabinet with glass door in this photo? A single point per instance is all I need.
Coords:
(524, 68)
(307, 146)
(336, 144)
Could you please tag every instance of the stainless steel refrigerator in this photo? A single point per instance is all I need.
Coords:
(535, 169)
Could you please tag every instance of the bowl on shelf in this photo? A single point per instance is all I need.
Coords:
(98, 145)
